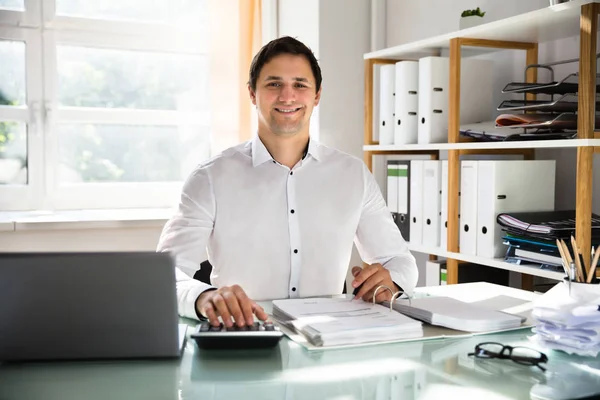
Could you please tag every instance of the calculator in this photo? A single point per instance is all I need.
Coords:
(256, 336)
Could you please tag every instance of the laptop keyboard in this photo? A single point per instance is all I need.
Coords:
(258, 335)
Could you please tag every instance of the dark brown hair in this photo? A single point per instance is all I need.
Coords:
(283, 45)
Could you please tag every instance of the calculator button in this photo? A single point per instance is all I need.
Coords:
(269, 326)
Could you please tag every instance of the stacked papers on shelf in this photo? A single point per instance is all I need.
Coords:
(335, 321)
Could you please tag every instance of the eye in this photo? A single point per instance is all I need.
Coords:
(300, 85)
(273, 84)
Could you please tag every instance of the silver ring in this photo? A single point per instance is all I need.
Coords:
(385, 287)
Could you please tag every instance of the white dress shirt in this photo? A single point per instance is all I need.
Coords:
(280, 232)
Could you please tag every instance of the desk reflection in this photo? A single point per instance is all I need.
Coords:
(421, 370)
(291, 372)
(97, 380)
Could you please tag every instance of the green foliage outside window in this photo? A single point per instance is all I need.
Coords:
(7, 131)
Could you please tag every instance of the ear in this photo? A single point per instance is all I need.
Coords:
(318, 96)
(252, 94)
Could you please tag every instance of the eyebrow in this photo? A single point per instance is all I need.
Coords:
(278, 78)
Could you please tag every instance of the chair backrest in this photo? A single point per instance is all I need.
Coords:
(203, 274)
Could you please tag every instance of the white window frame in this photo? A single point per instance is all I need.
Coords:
(31, 195)
(30, 18)
(107, 195)
(42, 112)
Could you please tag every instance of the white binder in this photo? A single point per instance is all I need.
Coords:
(376, 99)
(392, 186)
(475, 100)
(432, 272)
(510, 186)
(468, 207)
(416, 201)
(432, 181)
(406, 102)
(386, 104)
(444, 206)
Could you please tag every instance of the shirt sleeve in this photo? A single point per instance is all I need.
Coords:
(186, 235)
(378, 239)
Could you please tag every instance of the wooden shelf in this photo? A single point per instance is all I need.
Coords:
(490, 262)
(543, 25)
(521, 32)
(528, 144)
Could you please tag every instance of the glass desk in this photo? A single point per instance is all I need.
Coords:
(437, 369)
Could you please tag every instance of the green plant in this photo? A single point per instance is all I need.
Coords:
(470, 13)
(7, 129)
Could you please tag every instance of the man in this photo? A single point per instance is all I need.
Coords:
(278, 214)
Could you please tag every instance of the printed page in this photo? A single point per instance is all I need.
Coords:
(336, 315)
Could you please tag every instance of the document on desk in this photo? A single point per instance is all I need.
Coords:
(343, 321)
(455, 314)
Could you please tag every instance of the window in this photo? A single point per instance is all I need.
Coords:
(103, 103)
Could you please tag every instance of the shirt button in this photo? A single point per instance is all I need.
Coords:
(295, 250)
(292, 211)
(293, 289)
(274, 162)
(291, 172)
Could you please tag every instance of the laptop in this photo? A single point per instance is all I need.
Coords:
(82, 306)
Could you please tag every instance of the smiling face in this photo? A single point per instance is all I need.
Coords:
(285, 96)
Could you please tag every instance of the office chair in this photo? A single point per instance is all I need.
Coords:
(203, 274)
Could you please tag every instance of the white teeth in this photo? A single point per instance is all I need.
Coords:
(288, 110)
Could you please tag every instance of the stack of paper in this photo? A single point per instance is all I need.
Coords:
(456, 314)
(333, 322)
(567, 321)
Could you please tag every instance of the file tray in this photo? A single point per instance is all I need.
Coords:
(561, 121)
(565, 103)
(519, 135)
(488, 131)
(570, 84)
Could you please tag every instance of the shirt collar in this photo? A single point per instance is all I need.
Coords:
(260, 154)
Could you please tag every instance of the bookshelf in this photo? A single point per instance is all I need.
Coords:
(522, 32)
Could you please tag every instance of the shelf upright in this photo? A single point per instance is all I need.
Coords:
(454, 135)
(585, 127)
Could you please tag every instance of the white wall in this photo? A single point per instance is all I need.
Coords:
(345, 37)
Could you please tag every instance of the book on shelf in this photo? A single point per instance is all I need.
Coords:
(539, 257)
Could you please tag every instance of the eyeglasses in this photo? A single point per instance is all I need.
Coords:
(520, 355)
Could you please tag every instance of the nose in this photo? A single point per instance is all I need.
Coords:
(287, 94)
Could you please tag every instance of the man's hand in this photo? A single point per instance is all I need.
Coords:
(370, 277)
(229, 302)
